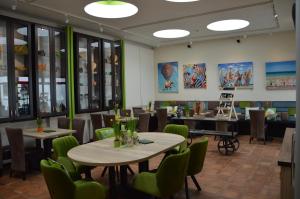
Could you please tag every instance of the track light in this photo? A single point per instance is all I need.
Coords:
(14, 5)
(101, 29)
(67, 19)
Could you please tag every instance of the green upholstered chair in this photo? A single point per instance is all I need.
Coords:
(291, 111)
(182, 130)
(168, 179)
(244, 104)
(61, 186)
(197, 157)
(61, 146)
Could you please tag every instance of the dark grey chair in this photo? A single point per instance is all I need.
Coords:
(108, 120)
(78, 125)
(20, 157)
(137, 111)
(162, 118)
(96, 119)
(143, 124)
(257, 124)
(63, 123)
(125, 113)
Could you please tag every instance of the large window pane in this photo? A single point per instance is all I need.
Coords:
(118, 74)
(60, 72)
(108, 74)
(4, 100)
(83, 74)
(22, 71)
(43, 64)
(95, 75)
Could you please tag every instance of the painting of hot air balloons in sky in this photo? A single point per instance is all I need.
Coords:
(168, 77)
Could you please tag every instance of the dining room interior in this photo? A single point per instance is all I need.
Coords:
(134, 99)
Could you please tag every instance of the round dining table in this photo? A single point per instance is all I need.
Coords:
(103, 153)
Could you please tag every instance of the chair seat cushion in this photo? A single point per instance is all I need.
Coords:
(146, 182)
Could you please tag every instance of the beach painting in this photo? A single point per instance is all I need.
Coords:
(239, 75)
(194, 76)
(168, 77)
(281, 75)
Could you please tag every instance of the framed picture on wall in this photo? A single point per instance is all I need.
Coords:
(194, 76)
(168, 77)
(281, 75)
(239, 75)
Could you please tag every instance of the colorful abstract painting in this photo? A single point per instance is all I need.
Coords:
(194, 76)
(281, 75)
(239, 75)
(168, 77)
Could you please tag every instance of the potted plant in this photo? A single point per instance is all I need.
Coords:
(117, 132)
(187, 110)
(39, 123)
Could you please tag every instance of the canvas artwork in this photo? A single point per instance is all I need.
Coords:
(194, 76)
(239, 75)
(281, 75)
(168, 77)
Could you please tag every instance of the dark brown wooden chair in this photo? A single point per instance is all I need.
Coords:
(20, 156)
(125, 113)
(137, 111)
(96, 119)
(63, 123)
(108, 120)
(258, 127)
(162, 118)
(78, 125)
(1, 156)
(143, 124)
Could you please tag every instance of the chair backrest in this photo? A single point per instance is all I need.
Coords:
(257, 122)
(15, 139)
(96, 119)
(62, 145)
(198, 153)
(125, 113)
(171, 173)
(109, 120)
(78, 125)
(104, 133)
(143, 124)
(59, 184)
(182, 130)
(63, 123)
(162, 117)
(137, 110)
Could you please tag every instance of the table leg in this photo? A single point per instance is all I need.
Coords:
(144, 166)
(112, 182)
(47, 148)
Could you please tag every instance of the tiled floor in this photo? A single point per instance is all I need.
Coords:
(251, 173)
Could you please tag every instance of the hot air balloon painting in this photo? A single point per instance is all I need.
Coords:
(168, 77)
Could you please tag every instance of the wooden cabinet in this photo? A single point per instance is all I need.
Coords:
(51, 71)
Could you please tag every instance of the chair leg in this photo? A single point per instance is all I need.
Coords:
(196, 183)
(88, 174)
(24, 175)
(104, 172)
(10, 173)
(186, 187)
(117, 173)
(130, 170)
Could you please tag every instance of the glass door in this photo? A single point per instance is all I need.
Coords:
(4, 90)
(118, 74)
(108, 74)
(95, 75)
(60, 71)
(23, 107)
(43, 69)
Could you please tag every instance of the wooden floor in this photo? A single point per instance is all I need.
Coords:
(251, 173)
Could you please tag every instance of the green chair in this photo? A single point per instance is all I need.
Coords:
(244, 104)
(61, 186)
(198, 153)
(182, 130)
(61, 146)
(105, 133)
(167, 180)
(291, 111)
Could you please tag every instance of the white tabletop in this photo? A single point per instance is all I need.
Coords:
(103, 152)
(58, 133)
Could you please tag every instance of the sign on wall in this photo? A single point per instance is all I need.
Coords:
(239, 75)
(168, 77)
(281, 75)
(194, 75)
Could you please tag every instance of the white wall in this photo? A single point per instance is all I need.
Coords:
(139, 74)
(258, 49)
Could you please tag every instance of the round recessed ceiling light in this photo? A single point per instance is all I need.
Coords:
(111, 9)
(182, 1)
(228, 25)
(171, 33)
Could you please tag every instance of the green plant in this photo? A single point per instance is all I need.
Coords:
(131, 125)
(149, 105)
(39, 122)
(117, 130)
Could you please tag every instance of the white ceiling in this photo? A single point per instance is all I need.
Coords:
(155, 15)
